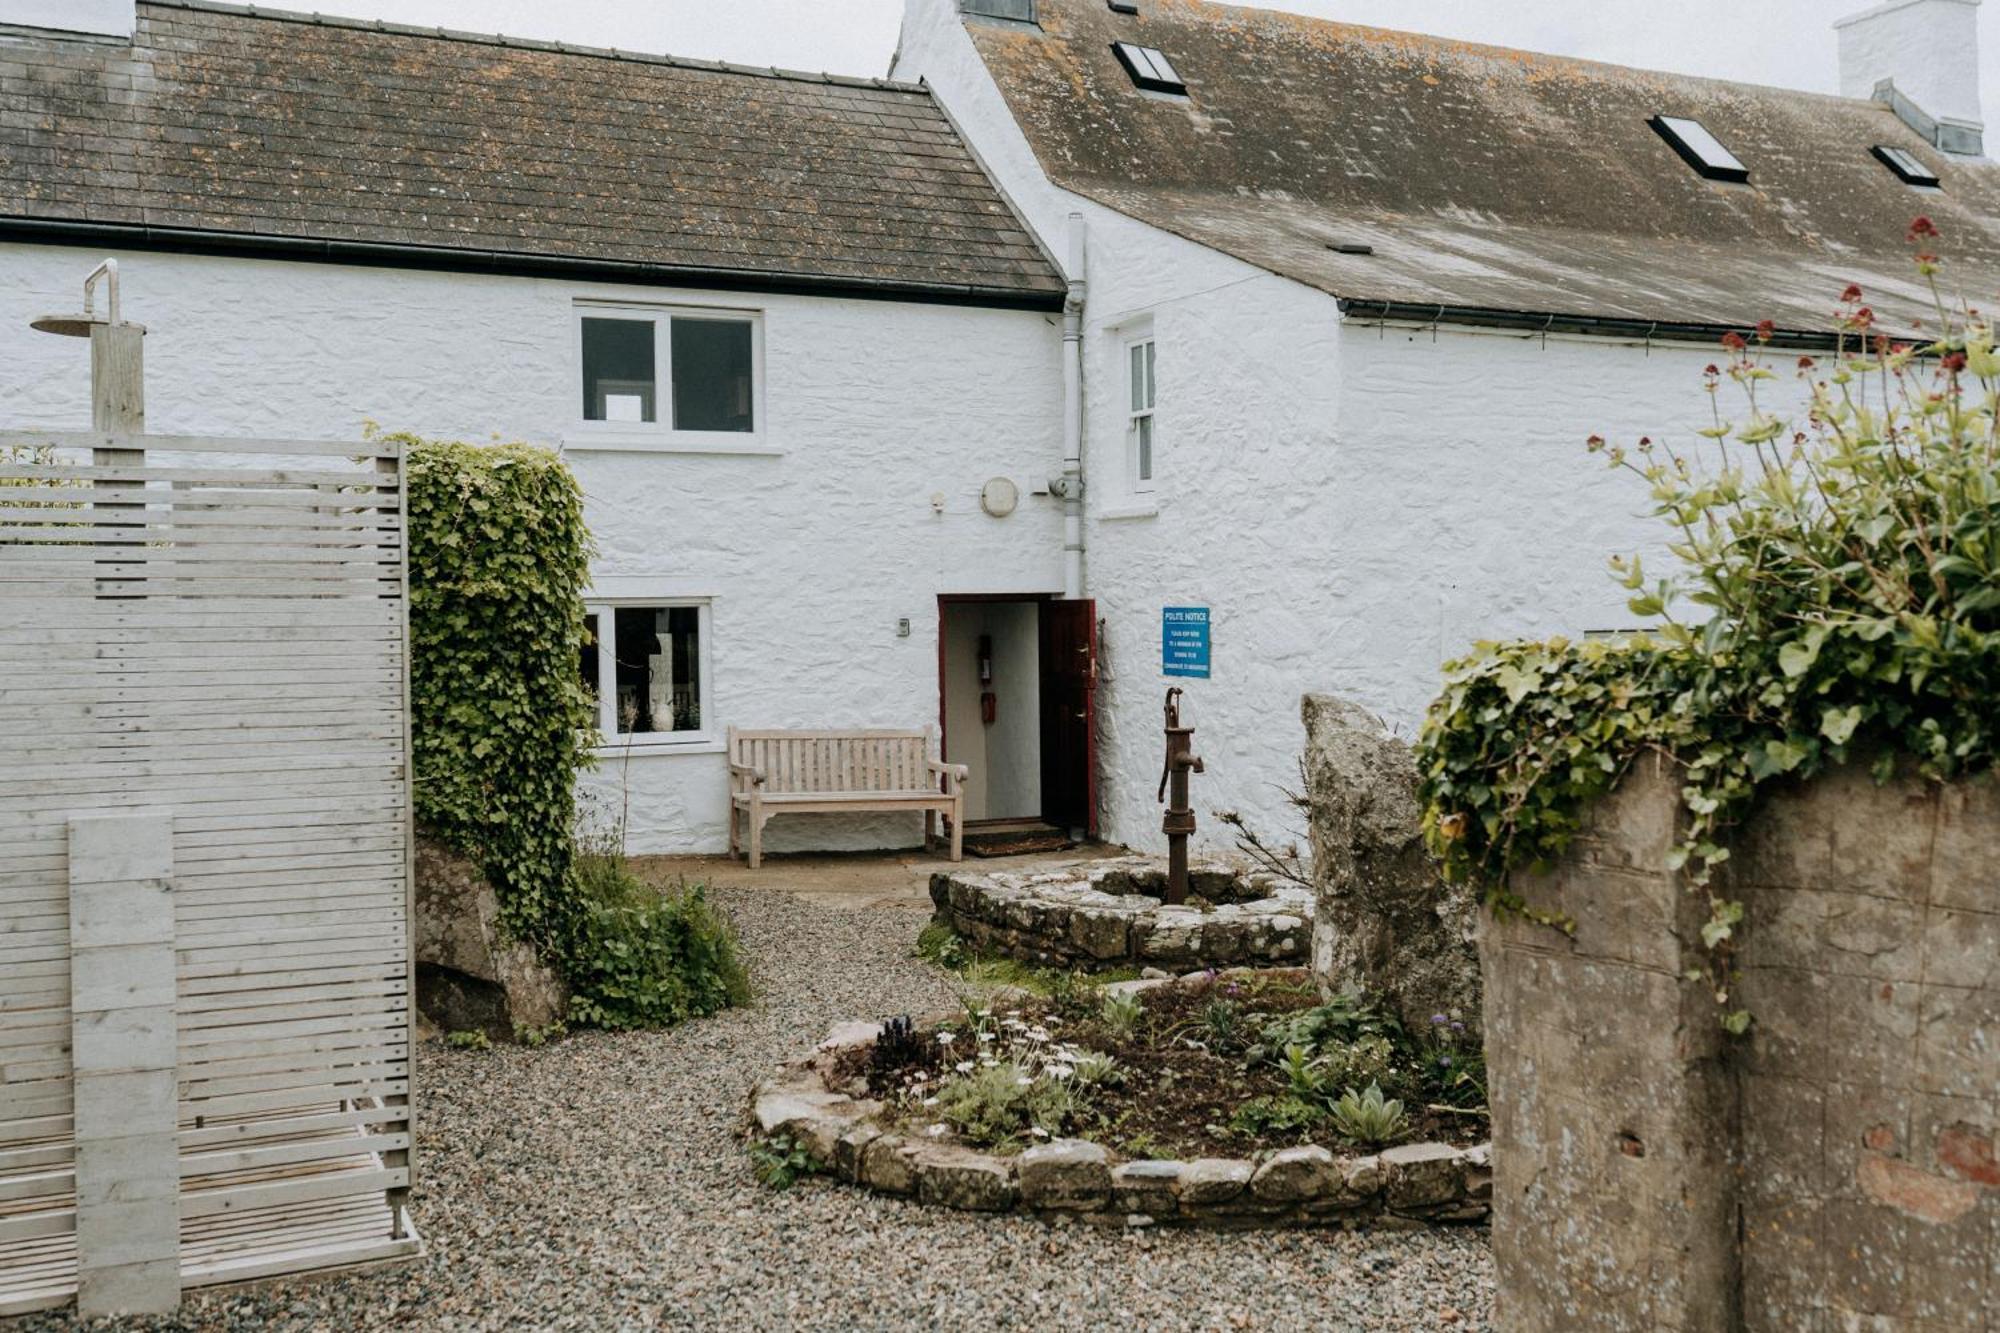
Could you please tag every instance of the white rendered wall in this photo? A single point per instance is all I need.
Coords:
(1353, 506)
(810, 557)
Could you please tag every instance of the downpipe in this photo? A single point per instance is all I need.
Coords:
(1069, 486)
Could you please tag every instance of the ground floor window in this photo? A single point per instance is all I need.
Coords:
(646, 664)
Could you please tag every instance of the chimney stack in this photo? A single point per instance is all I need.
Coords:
(1922, 58)
(94, 18)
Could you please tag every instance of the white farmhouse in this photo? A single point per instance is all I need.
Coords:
(1356, 298)
(782, 326)
(1112, 327)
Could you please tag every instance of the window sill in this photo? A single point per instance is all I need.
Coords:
(1137, 509)
(669, 442)
(654, 749)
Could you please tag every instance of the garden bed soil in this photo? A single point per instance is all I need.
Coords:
(1178, 1096)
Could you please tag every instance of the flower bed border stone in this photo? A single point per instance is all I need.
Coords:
(848, 1134)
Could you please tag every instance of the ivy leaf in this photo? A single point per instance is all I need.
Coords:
(1797, 657)
(1736, 1022)
(1838, 724)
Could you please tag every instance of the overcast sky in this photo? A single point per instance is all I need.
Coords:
(1787, 42)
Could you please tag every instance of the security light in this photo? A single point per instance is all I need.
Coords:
(1149, 68)
(1909, 168)
(1700, 149)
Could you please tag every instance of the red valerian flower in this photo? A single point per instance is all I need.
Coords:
(1734, 341)
(1712, 370)
(1766, 330)
(1807, 363)
(1922, 227)
(1852, 294)
(1953, 362)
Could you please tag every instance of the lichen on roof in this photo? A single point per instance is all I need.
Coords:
(1480, 176)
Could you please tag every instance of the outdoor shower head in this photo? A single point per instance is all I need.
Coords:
(79, 326)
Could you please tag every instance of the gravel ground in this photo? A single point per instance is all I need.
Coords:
(598, 1184)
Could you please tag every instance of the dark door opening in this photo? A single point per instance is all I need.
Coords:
(1015, 682)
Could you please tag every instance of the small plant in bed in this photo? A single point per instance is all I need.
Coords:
(1243, 1063)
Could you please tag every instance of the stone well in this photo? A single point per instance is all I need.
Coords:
(1110, 913)
(1833, 1169)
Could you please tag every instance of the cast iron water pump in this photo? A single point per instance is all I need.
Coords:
(1179, 823)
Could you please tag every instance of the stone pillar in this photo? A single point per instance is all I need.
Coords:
(1384, 919)
(1835, 1168)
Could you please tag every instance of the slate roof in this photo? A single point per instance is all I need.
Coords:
(1485, 178)
(221, 120)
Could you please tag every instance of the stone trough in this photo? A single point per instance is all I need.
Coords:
(851, 1136)
(1110, 913)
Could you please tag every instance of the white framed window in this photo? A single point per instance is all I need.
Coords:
(676, 379)
(646, 661)
(1142, 395)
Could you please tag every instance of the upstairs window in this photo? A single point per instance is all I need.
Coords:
(1141, 462)
(1909, 168)
(692, 372)
(1149, 68)
(1700, 149)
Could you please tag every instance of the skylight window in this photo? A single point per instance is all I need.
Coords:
(1149, 68)
(1700, 149)
(1909, 168)
(1123, 6)
(1021, 11)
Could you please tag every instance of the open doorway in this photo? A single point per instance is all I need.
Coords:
(1015, 703)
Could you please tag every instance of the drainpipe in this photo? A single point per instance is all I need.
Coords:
(1069, 486)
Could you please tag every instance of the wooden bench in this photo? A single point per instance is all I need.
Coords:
(834, 772)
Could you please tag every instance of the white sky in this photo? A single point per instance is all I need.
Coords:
(1785, 42)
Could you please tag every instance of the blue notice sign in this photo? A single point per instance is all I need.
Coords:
(1184, 641)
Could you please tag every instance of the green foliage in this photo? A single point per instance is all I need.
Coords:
(1224, 1025)
(1843, 559)
(501, 724)
(500, 721)
(1120, 1013)
(998, 1103)
(1369, 1117)
(781, 1161)
(941, 946)
(636, 957)
(1283, 1115)
(470, 1039)
(534, 1038)
(1347, 1017)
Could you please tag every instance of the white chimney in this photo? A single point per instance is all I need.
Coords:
(100, 18)
(1921, 57)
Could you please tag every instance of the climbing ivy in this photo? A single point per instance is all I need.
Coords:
(501, 724)
(500, 720)
(1842, 559)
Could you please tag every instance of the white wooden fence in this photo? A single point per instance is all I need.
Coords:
(205, 962)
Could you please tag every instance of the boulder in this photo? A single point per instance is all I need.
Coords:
(1296, 1175)
(1423, 1175)
(1208, 1181)
(1149, 1188)
(1384, 918)
(954, 1177)
(472, 975)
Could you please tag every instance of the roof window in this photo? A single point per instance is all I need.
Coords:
(1700, 149)
(1123, 6)
(1020, 10)
(1149, 68)
(1908, 167)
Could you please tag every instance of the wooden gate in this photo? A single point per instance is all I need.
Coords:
(204, 864)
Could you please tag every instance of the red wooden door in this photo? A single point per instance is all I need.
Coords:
(1069, 714)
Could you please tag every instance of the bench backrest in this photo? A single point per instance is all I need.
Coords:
(837, 761)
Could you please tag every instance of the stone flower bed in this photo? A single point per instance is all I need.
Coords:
(1106, 914)
(832, 1107)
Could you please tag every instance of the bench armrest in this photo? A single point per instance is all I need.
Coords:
(749, 776)
(954, 775)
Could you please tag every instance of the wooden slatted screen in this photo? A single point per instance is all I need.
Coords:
(216, 633)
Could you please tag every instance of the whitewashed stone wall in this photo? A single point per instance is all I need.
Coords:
(811, 557)
(1354, 505)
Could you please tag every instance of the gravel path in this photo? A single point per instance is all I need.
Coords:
(597, 1184)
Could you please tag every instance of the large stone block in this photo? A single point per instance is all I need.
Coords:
(1383, 918)
(1067, 1174)
(471, 974)
(1834, 1168)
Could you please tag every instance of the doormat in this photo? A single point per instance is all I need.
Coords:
(1017, 842)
